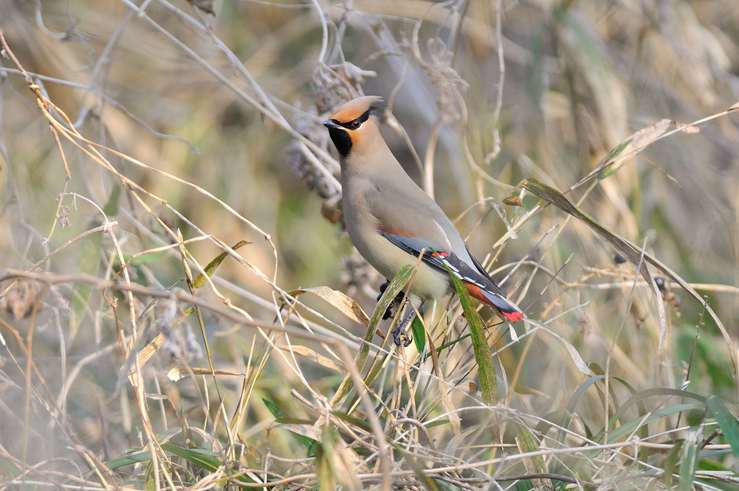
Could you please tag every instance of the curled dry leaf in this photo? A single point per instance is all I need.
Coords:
(312, 355)
(513, 200)
(340, 301)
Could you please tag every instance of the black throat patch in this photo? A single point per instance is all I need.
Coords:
(341, 139)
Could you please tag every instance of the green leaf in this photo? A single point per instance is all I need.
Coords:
(198, 457)
(448, 344)
(628, 427)
(89, 256)
(725, 420)
(148, 258)
(483, 354)
(670, 463)
(527, 443)
(419, 334)
(715, 361)
(325, 460)
(438, 422)
(569, 413)
(608, 163)
(210, 269)
(130, 459)
(353, 420)
(427, 481)
(632, 146)
(638, 397)
(202, 458)
(287, 420)
(150, 481)
(690, 456)
(273, 408)
(309, 443)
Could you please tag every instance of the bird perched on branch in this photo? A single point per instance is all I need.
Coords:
(392, 221)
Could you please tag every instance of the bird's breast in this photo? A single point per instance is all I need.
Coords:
(383, 255)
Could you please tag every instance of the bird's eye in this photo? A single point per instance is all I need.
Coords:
(353, 125)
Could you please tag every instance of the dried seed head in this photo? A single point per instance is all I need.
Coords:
(332, 87)
(306, 171)
(358, 276)
(22, 299)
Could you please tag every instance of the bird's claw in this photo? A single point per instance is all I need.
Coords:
(400, 338)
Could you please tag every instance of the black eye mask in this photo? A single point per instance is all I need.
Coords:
(355, 123)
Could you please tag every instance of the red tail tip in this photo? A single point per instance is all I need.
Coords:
(513, 316)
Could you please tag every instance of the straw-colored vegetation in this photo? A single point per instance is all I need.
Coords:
(180, 306)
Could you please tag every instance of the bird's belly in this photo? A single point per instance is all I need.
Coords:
(389, 259)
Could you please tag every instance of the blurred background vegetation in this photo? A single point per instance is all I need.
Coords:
(214, 109)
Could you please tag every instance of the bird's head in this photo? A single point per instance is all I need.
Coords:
(352, 124)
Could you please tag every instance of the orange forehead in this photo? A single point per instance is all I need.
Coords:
(354, 108)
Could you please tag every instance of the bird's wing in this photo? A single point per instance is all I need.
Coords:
(410, 220)
(479, 285)
(401, 208)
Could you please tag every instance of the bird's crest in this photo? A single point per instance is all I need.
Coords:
(355, 108)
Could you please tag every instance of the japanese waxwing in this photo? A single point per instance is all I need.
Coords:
(392, 221)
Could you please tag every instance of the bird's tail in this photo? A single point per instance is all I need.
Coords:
(506, 308)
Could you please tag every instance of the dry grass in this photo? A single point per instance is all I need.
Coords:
(175, 309)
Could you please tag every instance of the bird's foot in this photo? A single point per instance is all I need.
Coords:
(400, 338)
(399, 335)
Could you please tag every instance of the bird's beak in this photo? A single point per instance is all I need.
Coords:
(330, 124)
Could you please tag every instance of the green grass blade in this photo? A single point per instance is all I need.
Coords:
(199, 457)
(419, 334)
(130, 459)
(726, 421)
(527, 443)
(397, 284)
(202, 458)
(628, 427)
(689, 459)
(212, 266)
(670, 463)
(483, 354)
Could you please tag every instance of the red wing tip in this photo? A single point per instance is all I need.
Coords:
(513, 316)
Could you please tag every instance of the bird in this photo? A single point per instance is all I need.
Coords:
(392, 221)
